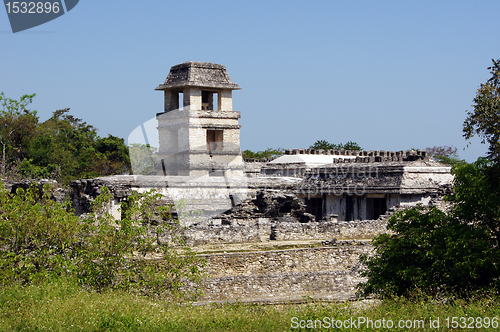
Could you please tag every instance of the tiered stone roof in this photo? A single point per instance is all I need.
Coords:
(202, 74)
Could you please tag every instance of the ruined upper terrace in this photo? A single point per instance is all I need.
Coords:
(350, 156)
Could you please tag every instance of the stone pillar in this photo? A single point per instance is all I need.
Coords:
(225, 102)
(192, 98)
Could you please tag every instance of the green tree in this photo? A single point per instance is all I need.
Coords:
(268, 153)
(115, 155)
(143, 158)
(17, 127)
(433, 253)
(484, 120)
(478, 186)
(351, 146)
(74, 145)
(325, 145)
(63, 148)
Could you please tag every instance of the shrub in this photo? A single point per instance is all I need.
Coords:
(41, 239)
(433, 253)
(37, 235)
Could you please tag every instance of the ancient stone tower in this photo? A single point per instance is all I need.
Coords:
(198, 130)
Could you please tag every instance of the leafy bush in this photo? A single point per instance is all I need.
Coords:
(42, 239)
(476, 195)
(433, 253)
(117, 253)
(36, 235)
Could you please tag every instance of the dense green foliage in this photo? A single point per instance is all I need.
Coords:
(431, 252)
(455, 251)
(17, 127)
(484, 120)
(325, 145)
(63, 148)
(41, 240)
(36, 235)
(269, 153)
(476, 195)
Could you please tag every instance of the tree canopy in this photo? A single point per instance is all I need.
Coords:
(266, 154)
(143, 158)
(484, 119)
(325, 145)
(63, 147)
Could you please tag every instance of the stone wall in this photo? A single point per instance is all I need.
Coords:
(345, 230)
(329, 273)
(343, 258)
(221, 234)
(253, 168)
(264, 229)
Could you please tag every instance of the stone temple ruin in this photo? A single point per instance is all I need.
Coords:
(324, 205)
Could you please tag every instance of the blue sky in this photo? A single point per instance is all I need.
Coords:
(389, 75)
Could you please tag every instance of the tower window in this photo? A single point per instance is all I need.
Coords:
(209, 100)
(176, 100)
(214, 140)
(180, 101)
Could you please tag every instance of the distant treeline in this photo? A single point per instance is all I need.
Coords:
(63, 148)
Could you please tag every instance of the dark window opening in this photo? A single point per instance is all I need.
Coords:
(375, 207)
(209, 100)
(286, 208)
(177, 100)
(349, 208)
(214, 140)
(314, 206)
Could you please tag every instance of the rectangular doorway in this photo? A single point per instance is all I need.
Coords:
(314, 206)
(375, 207)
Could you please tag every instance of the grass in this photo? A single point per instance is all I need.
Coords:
(62, 306)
